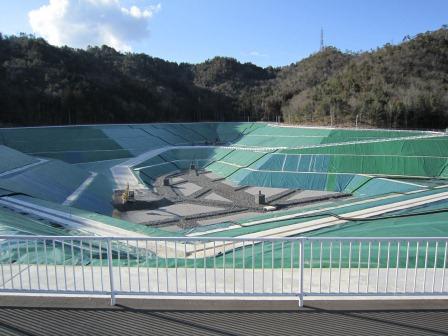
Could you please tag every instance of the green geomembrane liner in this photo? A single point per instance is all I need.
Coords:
(108, 220)
(12, 159)
(416, 226)
(281, 253)
(56, 181)
(275, 136)
(77, 170)
(71, 144)
(13, 223)
(431, 145)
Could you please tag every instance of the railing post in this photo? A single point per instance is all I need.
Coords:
(302, 268)
(111, 275)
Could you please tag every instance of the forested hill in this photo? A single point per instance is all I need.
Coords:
(403, 86)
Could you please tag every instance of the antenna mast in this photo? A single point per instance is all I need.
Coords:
(321, 39)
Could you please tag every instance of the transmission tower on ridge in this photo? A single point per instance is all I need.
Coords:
(321, 39)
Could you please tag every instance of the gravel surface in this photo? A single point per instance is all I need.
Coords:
(197, 198)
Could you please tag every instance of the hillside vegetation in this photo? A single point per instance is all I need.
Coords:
(403, 86)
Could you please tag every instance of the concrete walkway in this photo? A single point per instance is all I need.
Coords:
(190, 281)
(50, 316)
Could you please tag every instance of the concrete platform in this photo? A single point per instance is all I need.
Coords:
(187, 188)
(177, 210)
(269, 192)
(304, 194)
(228, 218)
(216, 197)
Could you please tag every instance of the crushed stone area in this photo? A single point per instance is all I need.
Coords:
(200, 198)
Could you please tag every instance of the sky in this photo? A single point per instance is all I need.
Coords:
(264, 32)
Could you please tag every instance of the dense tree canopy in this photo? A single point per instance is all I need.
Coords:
(394, 86)
(403, 85)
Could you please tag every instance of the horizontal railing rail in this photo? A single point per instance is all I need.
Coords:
(224, 266)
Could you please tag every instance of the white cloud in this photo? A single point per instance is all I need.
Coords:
(256, 54)
(79, 23)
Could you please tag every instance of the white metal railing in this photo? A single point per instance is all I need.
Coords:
(298, 266)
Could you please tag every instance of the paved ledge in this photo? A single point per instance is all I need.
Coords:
(38, 316)
(221, 304)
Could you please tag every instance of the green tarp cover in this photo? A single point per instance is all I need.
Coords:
(12, 159)
(55, 181)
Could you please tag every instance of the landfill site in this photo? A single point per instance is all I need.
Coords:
(247, 180)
